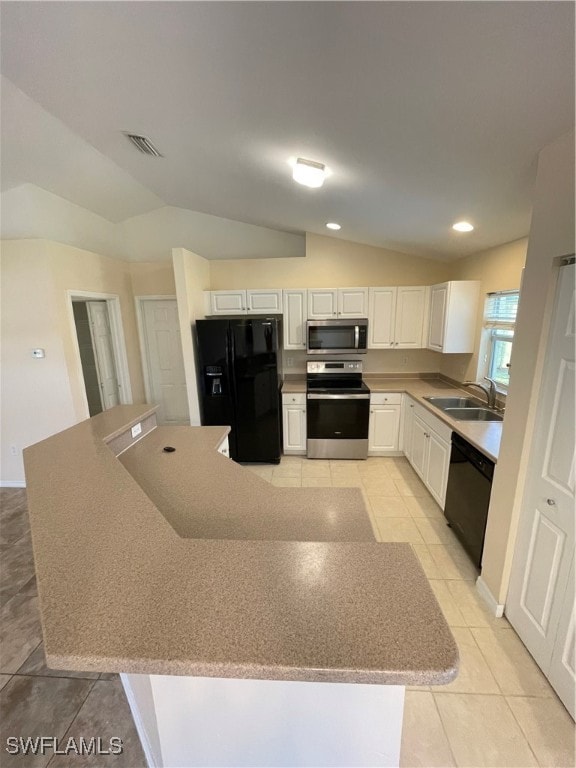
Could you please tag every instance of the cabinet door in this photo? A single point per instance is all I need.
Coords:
(419, 446)
(408, 418)
(409, 325)
(228, 302)
(382, 311)
(437, 465)
(295, 316)
(383, 431)
(438, 303)
(353, 302)
(322, 303)
(265, 301)
(294, 418)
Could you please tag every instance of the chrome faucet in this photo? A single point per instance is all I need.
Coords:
(489, 391)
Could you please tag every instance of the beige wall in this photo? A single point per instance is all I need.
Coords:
(152, 279)
(497, 269)
(551, 236)
(36, 398)
(40, 397)
(329, 262)
(192, 275)
(76, 270)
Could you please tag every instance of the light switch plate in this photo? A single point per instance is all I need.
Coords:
(136, 430)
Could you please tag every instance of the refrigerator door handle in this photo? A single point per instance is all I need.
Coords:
(230, 357)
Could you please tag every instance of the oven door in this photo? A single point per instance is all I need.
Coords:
(336, 336)
(337, 425)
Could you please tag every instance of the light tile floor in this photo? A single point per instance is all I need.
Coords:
(500, 711)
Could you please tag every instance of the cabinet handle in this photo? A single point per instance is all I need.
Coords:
(551, 502)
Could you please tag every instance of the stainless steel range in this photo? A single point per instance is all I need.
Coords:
(337, 410)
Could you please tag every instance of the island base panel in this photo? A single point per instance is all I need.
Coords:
(185, 722)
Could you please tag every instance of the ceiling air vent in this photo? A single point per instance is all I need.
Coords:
(143, 144)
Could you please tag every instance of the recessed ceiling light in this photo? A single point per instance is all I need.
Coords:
(462, 226)
(309, 172)
(333, 225)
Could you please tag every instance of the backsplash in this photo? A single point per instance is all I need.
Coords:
(375, 361)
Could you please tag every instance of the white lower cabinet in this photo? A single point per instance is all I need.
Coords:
(437, 466)
(224, 447)
(427, 446)
(384, 424)
(294, 423)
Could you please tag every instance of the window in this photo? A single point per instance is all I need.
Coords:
(499, 321)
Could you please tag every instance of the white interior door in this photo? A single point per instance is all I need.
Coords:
(540, 577)
(163, 360)
(103, 352)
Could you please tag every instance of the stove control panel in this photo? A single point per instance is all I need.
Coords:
(334, 366)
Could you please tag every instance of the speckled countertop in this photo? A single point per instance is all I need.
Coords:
(120, 590)
(485, 436)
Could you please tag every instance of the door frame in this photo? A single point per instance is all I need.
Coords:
(139, 302)
(118, 341)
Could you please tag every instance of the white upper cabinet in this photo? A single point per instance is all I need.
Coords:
(453, 315)
(381, 318)
(227, 302)
(330, 303)
(352, 302)
(241, 302)
(411, 304)
(322, 303)
(264, 301)
(295, 316)
(397, 317)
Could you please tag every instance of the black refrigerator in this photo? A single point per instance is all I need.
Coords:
(239, 383)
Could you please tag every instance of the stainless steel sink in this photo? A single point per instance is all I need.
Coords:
(452, 402)
(473, 414)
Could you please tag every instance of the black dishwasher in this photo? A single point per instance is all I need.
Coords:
(468, 496)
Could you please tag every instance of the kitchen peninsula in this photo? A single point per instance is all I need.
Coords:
(253, 625)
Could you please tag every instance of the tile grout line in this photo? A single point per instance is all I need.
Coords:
(443, 727)
(75, 716)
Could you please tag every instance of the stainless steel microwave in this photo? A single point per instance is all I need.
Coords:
(327, 337)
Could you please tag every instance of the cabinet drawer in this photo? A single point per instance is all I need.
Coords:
(441, 428)
(385, 398)
(294, 398)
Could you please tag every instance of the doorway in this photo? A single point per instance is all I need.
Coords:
(102, 362)
(96, 355)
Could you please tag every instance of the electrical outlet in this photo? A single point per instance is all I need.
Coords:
(290, 362)
(136, 430)
(405, 360)
(14, 450)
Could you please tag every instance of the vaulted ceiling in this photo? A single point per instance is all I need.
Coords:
(425, 113)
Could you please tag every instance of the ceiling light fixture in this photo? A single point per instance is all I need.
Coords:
(333, 225)
(309, 173)
(462, 226)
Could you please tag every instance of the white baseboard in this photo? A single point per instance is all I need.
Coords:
(496, 608)
(12, 483)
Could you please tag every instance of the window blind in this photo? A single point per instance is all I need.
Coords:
(501, 308)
